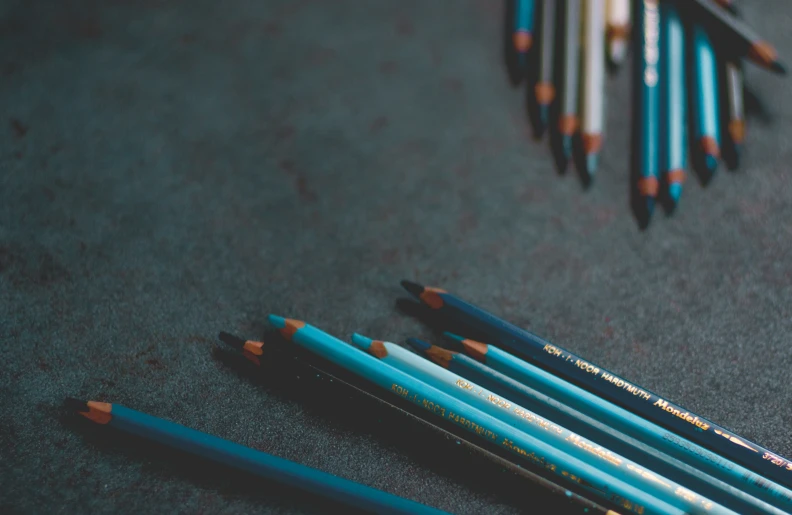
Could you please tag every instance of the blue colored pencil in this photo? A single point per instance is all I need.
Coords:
(517, 415)
(603, 383)
(250, 460)
(674, 110)
(516, 379)
(526, 448)
(522, 39)
(706, 119)
(647, 93)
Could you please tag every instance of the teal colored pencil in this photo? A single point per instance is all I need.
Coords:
(529, 450)
(527, 421)
(249, 460)
(706, 119)
(647, 92)
(522, 39)
(674, 109)
(746, 486)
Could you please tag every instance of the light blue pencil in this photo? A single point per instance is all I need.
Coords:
(527, 421)
(706, 120)
(530, 450)
(249, 460)
(628, 423)
(672, 58)
(522, 39)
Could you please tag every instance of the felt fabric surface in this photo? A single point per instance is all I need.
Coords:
(171, 169)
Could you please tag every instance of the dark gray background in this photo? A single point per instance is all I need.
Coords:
(170, 169)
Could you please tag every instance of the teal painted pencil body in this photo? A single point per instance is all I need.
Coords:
(630, 424)
(529, 450)
(523, 25)
(674, 99)
(256, 462)
(647, 91)
(706, 122)
(533, 425)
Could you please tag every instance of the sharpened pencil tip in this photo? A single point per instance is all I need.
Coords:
(412, 288)
(364, 342)
(276, 321)
(592, 161)
(617, 51)
(73, 404)
(231, 340)
(675, 192)
(778, 68)
(453, 337)
(711, 165)
(419, 345)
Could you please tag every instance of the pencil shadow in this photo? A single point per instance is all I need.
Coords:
(165, 463)
(437, 323)
(328, 392)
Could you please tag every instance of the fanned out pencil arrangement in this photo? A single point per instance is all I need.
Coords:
(603, 441)
(688, 57)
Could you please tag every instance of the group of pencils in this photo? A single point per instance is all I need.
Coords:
(687, 57)
(548, 410)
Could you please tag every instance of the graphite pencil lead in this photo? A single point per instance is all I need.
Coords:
(419, 345)
(231, 340)
(73, 404)
(412, 288)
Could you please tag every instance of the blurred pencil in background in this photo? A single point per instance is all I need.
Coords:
(568, 121)
(733, 112)
(544, 90)
(646, 90)
(618, 30)
(593, 83)
(522, 38)
(706, 116)
(733, 33)
(674, 105)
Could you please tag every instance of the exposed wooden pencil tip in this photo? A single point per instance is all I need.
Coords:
(568, 124)
(676, 176)
(522, 40)
(737, 131)
(98, 412)
(287, 326)
(710, 146)
(374, 347)
(440, 355)
(648, 186)
(475, 350)
(545, 93)
(592, 143)
(765, 54)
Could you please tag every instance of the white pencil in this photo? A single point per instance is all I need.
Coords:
(593, 81)
(619, 23)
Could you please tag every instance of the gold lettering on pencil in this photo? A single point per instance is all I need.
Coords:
(464, 384)
(434, 408)
(501, 403)
(399, 390)
(684, 415)
(735, 440)
(552, 349)
(539, 421)
(588, 367)
(621, 383)
(596, 450)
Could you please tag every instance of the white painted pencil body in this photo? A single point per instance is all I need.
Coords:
(619, 22)
(593, 76)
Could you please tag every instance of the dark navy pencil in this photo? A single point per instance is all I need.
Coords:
(250, 460)
(605, 384)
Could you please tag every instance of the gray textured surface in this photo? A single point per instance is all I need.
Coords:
(171, 169)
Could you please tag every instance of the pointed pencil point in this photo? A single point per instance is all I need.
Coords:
(276, 321)
(412, 288)
(364, 342)
(778, 68)
(592, 161)
(675, 192)
(419, 345)
(77, 405)
(231, 340)
(453, 337)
